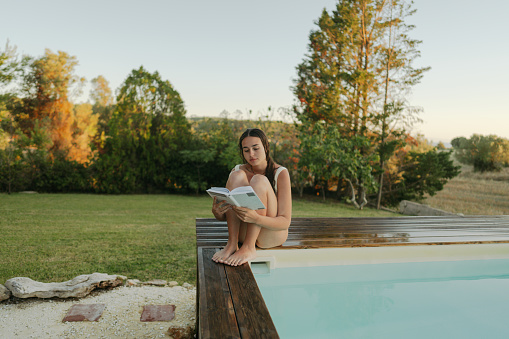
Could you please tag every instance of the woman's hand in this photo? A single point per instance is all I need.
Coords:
(246, 214)
(219, 208)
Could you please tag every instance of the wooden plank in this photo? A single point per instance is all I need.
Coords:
(212, 224)
(334, 232)
(216, 315)
(252, 314)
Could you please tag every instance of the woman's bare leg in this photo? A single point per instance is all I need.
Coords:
(247, 252)
(236, 179)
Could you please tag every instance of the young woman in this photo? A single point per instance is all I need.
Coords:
(271, 182)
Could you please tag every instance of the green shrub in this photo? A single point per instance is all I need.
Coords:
(424, 173)
(485, 153)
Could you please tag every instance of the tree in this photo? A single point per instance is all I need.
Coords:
(103, 106)
(45, 99)
(421, 174)
(84, 128)
(399, 75)
(485, 153)
(357, 71)
(146, 133)
(53, 76)
(10, 67)
(46, 133)
(101, 93)
(327, 154)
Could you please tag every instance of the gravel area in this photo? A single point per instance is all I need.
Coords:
(42, 318)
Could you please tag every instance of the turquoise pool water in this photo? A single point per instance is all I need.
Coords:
(442, 299)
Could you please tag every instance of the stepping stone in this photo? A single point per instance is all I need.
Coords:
(158, 313)
(156, 282)
(84, 312)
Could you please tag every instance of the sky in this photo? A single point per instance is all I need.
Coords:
(236, 55)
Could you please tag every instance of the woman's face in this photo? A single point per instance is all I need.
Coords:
(253, 151)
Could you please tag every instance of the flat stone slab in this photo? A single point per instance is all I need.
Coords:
(23, 287)
(84, 312)
(158, 313)
(156, 282)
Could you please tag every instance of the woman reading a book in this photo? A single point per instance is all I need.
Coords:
(263, 228)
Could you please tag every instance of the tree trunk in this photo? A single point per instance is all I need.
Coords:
(381, 185)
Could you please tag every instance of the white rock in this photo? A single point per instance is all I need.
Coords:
(4, 293)
(173, 283)
(156, 282)
(133, 282)
(78, 287)
(186, 285)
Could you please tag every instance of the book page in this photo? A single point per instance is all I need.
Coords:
(242, 189)
(243, 196)
(249, 200)
(221, 190)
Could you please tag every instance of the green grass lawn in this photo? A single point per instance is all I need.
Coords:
(55, 237)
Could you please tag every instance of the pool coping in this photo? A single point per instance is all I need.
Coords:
(231, 293)
(274, 259)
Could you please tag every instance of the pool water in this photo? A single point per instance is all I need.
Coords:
(441, 299)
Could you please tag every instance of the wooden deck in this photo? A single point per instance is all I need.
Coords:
(229, 304)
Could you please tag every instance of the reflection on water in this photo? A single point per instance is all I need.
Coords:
(347, 239)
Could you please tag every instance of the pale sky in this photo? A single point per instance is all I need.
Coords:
(241, 55)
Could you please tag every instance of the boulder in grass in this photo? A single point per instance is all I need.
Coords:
(82, 285)
(4, 293)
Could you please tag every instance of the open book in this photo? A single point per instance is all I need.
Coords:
(243, 196)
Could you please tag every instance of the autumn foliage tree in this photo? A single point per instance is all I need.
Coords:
(47, 97)
(49, 137)
(44, 106)
(84, 129)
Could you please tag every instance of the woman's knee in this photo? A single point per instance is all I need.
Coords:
(237, 178)
(260, 181)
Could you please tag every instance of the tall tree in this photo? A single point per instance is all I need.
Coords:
(45, 99)
(358, 68)
(54, 75)
(398, 53)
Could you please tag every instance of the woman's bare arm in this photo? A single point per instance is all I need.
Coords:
(283, 218)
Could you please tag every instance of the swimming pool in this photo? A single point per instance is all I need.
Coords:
(453, 291)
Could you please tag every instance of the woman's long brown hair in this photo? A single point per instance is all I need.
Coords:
(271, 165)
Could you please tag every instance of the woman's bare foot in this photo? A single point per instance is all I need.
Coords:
(225, 253)
(243, 255)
